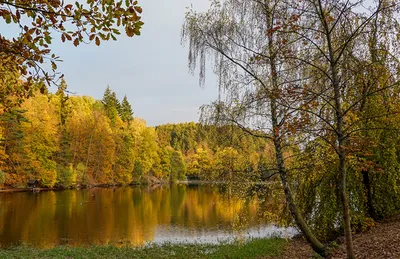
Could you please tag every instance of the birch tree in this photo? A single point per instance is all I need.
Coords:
(247, 50)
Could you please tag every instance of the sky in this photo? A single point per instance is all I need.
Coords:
(150, 69)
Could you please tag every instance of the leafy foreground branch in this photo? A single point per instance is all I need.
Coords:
(252, 249)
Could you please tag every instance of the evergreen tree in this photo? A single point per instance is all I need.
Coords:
(115, 102)
(111, 104)
(11, 141)
(63, 155)
(107, 96)
(64, 109)
(126, 113)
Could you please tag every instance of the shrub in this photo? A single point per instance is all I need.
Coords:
(48, 177)
(66, 176)
(81, 175)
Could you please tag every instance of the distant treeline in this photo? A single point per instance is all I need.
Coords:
(69, 141)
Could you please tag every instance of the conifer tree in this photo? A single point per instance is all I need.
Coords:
(111, 104)
(63, 155)
(126, 112)
(64, 111)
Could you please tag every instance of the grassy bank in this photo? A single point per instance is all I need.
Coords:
(251, 249)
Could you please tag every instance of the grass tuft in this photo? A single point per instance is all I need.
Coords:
(254, 248)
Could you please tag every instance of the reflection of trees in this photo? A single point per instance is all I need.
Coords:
(28, 217)
(123, 215)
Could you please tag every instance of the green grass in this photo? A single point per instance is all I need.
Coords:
(254, 248)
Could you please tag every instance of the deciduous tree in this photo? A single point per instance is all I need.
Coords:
(248, 51)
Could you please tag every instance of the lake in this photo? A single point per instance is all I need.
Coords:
(136, 216)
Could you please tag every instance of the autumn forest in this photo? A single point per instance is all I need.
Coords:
(68, 141)
(308, 106)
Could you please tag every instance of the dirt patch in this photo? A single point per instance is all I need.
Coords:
(297, 248)
(382, 241)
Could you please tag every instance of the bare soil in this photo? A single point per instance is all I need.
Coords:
(380, 242)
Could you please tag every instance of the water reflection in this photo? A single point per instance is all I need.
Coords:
(133, 215)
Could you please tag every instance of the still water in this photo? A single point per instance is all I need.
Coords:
(135, 216)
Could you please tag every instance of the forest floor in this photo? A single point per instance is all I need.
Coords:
(380, 242)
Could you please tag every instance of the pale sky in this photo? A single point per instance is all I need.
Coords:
(150, 69)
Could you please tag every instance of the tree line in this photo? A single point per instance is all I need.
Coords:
(68, 141)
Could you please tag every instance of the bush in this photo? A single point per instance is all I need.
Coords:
(66, 176)
(81, 175)
(48, 178)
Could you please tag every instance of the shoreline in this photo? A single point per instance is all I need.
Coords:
(151, 184)
(12, 190)
(145, 183)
